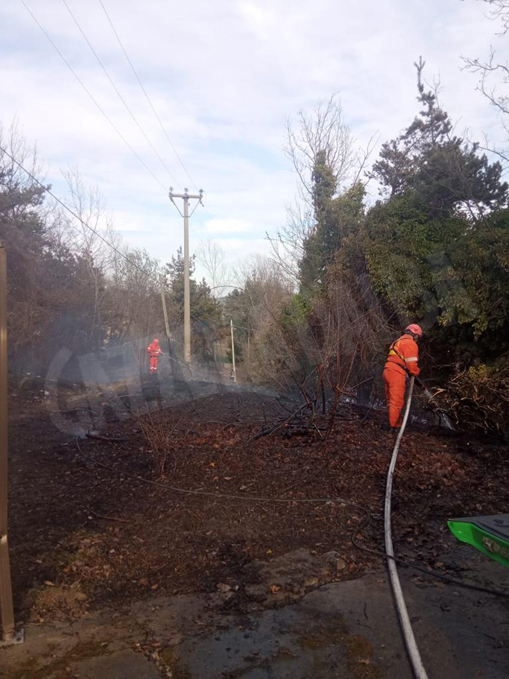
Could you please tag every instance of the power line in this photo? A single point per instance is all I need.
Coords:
(92, 97)
(66, 207)
(82, 221)
(126, 105)
(90, 228)
(146, 94)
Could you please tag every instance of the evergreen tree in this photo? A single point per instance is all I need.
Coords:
(448, 175)
(425, 245)
(338, 220)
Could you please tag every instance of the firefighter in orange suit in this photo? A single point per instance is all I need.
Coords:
(154, 352)
(403, 359)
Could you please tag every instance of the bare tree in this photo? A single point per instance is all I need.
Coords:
(494, 75)
(21, 203)
(89, 206)
(331, 352)
(213, 259)
(66, 286)
(84, 236)
(25, 154)
(132, 308)
(499, 10)
(288, 244)
(322, 130)
(319, 133)
(265, 284)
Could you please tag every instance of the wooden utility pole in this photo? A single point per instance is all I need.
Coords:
(234, 370)
(186, 197)
(6, 608)
(167, 328)
(165, 312)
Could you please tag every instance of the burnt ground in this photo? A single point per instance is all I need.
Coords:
(86, 532)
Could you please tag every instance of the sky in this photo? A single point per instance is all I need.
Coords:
(224, 77)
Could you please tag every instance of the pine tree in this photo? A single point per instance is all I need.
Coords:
(448, 175)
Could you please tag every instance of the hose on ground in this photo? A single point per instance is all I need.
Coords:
(426, 571)
(399, 599)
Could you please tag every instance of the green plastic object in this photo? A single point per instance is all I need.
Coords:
(488, 534)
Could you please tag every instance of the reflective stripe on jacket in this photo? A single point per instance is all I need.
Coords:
(404, 354)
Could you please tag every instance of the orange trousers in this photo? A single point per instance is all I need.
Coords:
(395, 387)
(154, 360)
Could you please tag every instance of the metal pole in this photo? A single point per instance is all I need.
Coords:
(234, 371)
(6, 608)
(187, 296)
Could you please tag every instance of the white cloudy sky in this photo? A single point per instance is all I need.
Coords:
(224, 76)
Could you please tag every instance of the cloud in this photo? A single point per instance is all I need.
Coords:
(224, 77)
(227, 226)
(261, 20)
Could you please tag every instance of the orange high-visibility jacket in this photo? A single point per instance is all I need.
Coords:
(404, 355)
(154, 349)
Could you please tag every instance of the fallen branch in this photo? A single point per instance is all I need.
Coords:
(108, 518)
(272, 430)
(109, 439)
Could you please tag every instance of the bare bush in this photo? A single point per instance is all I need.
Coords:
(161, 443)
(330, 350)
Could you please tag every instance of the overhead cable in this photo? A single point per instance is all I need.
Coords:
(66, 207)
(66, 62)
(117, 91)
(149, 100)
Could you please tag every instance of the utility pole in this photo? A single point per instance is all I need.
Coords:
(234, 370)
(6, 608)
(186, 197)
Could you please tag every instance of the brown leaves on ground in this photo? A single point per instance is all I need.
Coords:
(64, 506)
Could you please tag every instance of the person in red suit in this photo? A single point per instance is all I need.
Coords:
(154, 351)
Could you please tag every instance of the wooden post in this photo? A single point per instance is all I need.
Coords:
(167, 328)
(165, 312)
(234, 370)
(6, 608)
